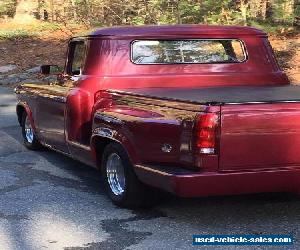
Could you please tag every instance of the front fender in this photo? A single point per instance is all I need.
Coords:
(23, 106)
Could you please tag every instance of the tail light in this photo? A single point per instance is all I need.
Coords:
(206, 129)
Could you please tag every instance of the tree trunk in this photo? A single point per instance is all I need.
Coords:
(52, 10)
(289, 10)
(264, 9)
(244, 10)
(254, 8)
(178, 13)
(74, 9)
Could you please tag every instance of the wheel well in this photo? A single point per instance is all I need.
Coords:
(99, 144)
(20, 111)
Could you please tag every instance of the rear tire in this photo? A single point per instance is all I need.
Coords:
(29, 138)
(120, 181)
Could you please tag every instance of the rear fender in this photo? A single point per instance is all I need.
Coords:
(112, 134)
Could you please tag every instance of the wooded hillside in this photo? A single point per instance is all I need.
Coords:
(119, 12)
(41, 28)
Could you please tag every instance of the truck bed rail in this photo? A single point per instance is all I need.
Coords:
(222, 95)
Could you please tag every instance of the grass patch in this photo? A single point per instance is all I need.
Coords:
(45, 26)
(37, 29)
(17, 31)
(16, 34)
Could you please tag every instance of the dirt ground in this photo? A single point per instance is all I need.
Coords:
(287, 50)
(30, 52)
(51, 49)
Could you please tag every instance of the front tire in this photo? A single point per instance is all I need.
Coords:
(120, 181)
(29, 138)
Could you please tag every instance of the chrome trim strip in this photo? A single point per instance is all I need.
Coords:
(79, 145)
(56, 150)
(262, 102)
(61, 99)
(104, 132)
(107, 118)
(152, 170)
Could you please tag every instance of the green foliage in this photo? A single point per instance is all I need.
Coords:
(46, 26)
(7, 7)
(281, 11)
(19, 32)
(16, 34)
(91, 13)
(138, 20)
(272, 28)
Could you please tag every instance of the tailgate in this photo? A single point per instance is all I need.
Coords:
(260, 136)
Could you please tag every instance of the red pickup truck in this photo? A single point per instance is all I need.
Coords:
(193, 110)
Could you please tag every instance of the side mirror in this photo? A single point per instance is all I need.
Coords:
(50, 70)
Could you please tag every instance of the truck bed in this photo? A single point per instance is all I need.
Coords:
(260, 131)
(224, 95)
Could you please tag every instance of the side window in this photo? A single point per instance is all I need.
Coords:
(76, 57)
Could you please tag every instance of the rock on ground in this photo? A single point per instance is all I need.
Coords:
(7, 68)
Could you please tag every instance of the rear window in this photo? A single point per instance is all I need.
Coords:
(187, 51)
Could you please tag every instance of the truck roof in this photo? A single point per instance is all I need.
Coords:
(169, 30)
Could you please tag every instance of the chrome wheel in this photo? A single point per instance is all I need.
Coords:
(115, 174)
(28, 130)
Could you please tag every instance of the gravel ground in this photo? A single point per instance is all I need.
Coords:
(48, 201)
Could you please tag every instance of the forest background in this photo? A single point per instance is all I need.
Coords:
(39, 29)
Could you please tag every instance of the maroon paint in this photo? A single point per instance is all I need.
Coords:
(255, 152)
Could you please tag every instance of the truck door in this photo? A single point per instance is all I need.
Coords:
(52, 100)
